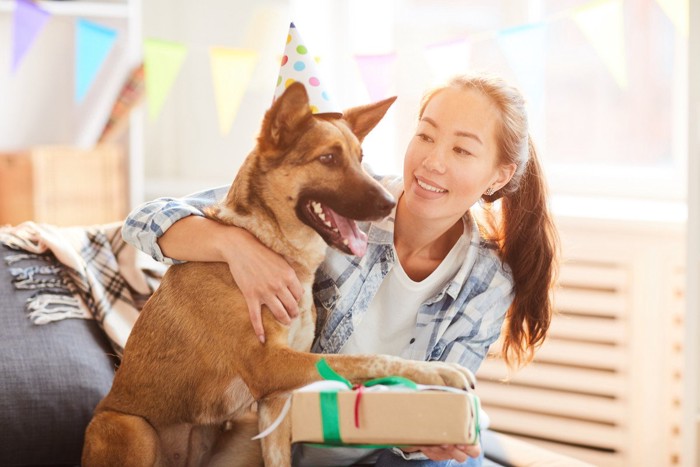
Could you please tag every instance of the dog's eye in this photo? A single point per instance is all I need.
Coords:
(327, 159)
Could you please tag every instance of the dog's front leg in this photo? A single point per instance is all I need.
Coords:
(277, 446)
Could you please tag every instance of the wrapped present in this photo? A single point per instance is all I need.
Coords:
(389, 411)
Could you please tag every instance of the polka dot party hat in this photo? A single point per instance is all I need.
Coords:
(299, 65)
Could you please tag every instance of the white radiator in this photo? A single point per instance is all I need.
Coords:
(605, 387)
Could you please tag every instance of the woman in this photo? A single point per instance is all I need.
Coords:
(435, 283)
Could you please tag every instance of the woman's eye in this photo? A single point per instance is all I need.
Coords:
(425, 138)
(327, 159)
(462, 152)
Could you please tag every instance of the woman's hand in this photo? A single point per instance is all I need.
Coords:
(445, 452)
(265, 278)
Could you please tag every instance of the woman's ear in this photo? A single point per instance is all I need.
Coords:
(504, 173)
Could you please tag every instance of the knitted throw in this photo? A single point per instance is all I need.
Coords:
(89, 273)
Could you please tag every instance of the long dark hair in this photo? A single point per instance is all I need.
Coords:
(520, 223)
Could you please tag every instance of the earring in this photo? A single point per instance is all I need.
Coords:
(489, 191)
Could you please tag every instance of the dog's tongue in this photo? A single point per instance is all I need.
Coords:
(356, 239)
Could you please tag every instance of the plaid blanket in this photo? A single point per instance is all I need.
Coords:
(90, 273)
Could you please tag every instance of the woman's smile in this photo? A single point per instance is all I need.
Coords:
(428, 188)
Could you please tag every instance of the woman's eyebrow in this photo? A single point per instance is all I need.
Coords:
(465, 134)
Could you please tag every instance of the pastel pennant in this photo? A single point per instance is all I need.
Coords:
(677, 11)
(376, 73)
(448, 58)
(231, 70)
(28, 20)
(602, 23)
(162, 63)
(93, 44)
(524, 49)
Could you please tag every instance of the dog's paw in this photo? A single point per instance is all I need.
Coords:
(448, 374)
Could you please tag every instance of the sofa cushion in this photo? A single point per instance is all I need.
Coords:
(51, 378)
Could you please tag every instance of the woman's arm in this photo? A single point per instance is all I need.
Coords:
(174, 230)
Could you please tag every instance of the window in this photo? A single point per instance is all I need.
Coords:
(605, 79)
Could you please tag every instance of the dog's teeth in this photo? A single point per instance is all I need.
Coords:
(335, 230)
(345, 242)
(329, 225)
(317, 207)
(322, 216)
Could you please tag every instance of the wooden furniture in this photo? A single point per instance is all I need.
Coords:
(38, 99)
(63, 185)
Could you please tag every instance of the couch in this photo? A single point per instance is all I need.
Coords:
(52, 376)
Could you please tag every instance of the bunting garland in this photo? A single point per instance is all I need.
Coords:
(376, 74)
(448, 58)
(231, 70)
(523, 47)
(600, 21)
(603, 24)
(677, 12)
(162, 61)
(28, 20)
(93, 43)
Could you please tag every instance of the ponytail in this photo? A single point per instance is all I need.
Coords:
(528, 245)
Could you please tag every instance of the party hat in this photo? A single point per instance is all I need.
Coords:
(299, 65)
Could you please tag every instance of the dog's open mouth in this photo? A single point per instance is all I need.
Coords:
(338, 231)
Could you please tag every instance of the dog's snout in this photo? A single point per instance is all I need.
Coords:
(385, 202)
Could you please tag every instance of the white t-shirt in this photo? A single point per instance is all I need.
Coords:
(390, 320)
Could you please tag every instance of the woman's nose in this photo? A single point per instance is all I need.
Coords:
(434, 162)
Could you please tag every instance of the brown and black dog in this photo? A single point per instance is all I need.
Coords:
(193, 365)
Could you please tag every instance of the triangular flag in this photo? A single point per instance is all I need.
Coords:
(231, 70)
(376, 73)
(677, 11)
(27, 21)
(524, 48)
(448, 58)
(162, 62)
(93, 43)
(603, 24)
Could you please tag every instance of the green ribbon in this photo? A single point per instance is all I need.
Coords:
(330, 416)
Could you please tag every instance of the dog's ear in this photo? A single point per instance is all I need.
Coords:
(289, 113)
(362, 119)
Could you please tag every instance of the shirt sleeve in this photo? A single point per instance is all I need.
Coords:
(148, 222)
(478, 325)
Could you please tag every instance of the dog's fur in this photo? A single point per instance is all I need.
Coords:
(193, 367)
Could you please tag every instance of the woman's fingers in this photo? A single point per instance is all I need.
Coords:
(256, 319)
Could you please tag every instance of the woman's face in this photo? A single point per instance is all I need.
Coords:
(452, 158)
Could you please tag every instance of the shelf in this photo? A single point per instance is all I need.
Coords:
(114, 9)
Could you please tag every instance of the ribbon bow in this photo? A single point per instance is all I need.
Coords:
(329, 398)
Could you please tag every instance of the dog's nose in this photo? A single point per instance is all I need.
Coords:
(385, 203)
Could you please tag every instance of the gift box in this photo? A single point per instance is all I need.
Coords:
(334, 413)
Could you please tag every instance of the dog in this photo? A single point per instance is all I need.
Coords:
(193, 368)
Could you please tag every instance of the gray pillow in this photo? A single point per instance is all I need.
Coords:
(51, 378)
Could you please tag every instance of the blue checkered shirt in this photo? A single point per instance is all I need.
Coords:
(457, 325)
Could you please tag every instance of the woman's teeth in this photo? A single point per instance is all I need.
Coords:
(425, 186)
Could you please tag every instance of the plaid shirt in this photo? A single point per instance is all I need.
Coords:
(457, 325)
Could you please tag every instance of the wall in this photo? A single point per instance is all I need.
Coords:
(691, 425)
(186, 134)
(37, 101)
